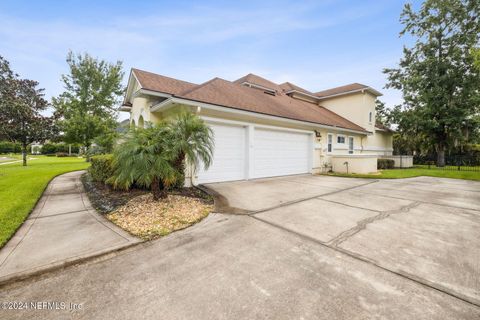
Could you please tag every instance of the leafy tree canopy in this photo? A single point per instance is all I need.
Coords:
(21, 107)
(87, 107)
(438, 74)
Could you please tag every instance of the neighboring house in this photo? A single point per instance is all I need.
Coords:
(264, 129)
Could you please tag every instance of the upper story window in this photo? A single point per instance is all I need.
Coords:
(370, 116)
(340, 139)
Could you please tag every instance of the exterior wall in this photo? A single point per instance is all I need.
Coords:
(380, 143)
(141, 108)
(400, 161)
(354, 107)
(361, 164)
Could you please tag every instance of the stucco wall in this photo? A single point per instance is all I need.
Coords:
(380, 143)
(361, 164)
(354, 107)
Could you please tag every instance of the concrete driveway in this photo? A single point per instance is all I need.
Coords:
(305, 247)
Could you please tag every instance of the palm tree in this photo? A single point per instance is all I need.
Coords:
(154, 157)
(142, 159)
(192, 141)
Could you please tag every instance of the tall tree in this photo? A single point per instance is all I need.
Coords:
(21, 107)
(437, 75)
(87, 106)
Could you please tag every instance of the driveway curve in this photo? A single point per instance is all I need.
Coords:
(63, 228)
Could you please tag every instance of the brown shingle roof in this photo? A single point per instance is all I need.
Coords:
(342, 89)
(253, 78)
(231, 94)
(235, 95)
(156, 82)
(381, 126)
(287, 86)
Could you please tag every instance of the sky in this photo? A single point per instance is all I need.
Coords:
(314, 44)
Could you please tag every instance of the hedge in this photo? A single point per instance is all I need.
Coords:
(10, 147)
(385, 164)
(52, 148)
(101, 167)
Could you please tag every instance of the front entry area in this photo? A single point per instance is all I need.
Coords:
(248, 151)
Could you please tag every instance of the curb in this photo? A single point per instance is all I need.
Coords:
(55, 266)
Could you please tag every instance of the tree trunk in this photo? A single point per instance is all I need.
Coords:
(441, 156)
(157, 192)
(24, 154)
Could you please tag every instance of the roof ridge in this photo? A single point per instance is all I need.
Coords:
(198, 86)
(161, 75)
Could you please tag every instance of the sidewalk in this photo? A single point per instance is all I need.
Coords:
(63, 228)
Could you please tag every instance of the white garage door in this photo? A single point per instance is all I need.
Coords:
(280, 153)
(229, 160)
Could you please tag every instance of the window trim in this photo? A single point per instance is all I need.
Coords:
(330, 143)
(351, 151)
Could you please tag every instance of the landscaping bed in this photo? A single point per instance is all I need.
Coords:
(136, 212)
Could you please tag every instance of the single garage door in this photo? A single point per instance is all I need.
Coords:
(279, 153)
(229, 158)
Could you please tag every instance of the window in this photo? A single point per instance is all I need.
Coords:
(329, 142)
(350, 145)
(340, 139)
(370, 117)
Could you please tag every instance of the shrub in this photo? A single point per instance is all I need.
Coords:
(49, 148)
(101, 167)
(385, 164)
(10, 147)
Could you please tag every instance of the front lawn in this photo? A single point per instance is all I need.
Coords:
(415, 172)
(21, 187)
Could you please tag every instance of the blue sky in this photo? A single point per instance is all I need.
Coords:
(314, 44)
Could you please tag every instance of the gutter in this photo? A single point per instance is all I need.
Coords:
(375, 92)
(169, 103)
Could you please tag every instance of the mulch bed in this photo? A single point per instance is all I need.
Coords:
(136, 212)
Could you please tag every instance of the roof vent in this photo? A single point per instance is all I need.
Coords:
(266, 90)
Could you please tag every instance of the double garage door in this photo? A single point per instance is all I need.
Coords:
(267, 153)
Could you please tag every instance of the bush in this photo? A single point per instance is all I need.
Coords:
(385, 164)
(10, 147)
(49, 148)
(52, 148)
(101, 167)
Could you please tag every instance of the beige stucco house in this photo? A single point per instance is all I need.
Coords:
(263, 129)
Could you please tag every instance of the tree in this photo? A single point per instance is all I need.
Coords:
(87, 107)
(382, 114)
(21, 107)
(192, 141)
(150, 157)
(437, 75)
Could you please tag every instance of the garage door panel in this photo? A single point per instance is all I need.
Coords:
(229, 155)
(280, 153)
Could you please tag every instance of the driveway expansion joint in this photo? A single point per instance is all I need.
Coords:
(405, 275)
(289, 203)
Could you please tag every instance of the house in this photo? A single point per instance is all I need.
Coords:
(263, 129)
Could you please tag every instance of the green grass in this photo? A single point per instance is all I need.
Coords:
(21, 187)
(415, 172)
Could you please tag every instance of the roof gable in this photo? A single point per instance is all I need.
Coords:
(156, 82)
